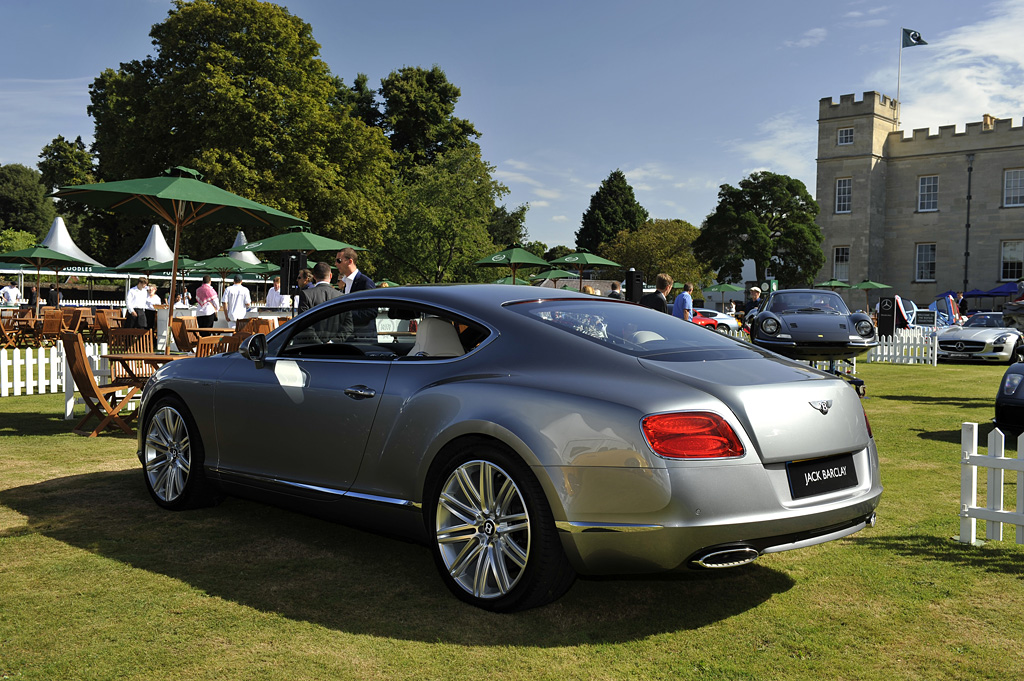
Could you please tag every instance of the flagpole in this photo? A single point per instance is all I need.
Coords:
(899, 75)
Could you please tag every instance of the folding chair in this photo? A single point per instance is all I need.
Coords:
(96, 397)
(180, 335)
(208, 346)
(50, 331)
(9, 337)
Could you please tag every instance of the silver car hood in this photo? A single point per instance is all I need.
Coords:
(788, 411)
(981, 333)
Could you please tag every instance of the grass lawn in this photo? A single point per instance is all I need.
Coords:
(96, 582)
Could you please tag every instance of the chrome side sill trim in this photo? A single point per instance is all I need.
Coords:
(577, 528)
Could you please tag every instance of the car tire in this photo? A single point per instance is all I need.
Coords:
(173, 457)
(492, 534)
(1018, 353)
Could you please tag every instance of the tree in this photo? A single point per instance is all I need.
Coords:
(660, 246)
(62, 163)
(613, 208)
(237, 90)
(769, 219)
(419, 115)
(15, 240)
(508, 227)
(556, 252)
(441, 221)
(23, 203)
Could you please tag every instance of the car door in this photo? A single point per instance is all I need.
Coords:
(302, 418)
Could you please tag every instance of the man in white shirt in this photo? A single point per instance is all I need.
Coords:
(274, 296)
(135, 302)
(236, 300)
(10, 295)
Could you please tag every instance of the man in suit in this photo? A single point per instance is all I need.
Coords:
(322, 291)
(657, 300)
(351, 278)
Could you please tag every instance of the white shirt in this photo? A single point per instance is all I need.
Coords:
(349, 279)
(152, 301)
(136, 299)
(236, 301)
(10, 295)
(275, 298)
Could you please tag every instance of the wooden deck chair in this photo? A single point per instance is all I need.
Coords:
(231, 343)
(9, 337)
(180, 335)
(261, 325)
(208, 346)
(242, 326)
(97, 398)
(101, 325)
(49, 332)
(126, 341)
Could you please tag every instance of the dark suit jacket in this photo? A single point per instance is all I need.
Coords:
(655, 301)
(322, 292)
(361, 282)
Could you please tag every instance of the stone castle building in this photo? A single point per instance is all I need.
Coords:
(894, 209)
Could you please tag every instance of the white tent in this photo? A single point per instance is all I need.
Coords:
(247, 256)
(59, 239)
(155, 247)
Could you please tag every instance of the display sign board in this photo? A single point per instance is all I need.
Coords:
(887, 317)
(925, 318)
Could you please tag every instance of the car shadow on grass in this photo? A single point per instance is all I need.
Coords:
(312, 570)
(938, 400)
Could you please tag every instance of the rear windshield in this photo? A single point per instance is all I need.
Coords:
(635, 330)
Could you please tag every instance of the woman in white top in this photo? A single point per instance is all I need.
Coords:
(152, 300)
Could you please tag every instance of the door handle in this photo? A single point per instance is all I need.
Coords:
(360, 392)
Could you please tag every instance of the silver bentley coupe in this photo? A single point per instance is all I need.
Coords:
(525, 435)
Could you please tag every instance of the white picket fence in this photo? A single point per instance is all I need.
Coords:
(28, 371)
(907, 346)
(31, 371)
(997, 463)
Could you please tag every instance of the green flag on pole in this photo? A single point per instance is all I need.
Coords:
(912, 38)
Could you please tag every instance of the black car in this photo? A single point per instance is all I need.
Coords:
(1010, 400)
(811, 325)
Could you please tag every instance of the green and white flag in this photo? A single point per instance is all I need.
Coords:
(912, 38)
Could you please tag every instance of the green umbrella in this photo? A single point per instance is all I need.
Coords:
(868, 285)
(582, 259)
(832, 284)
(554, 274)
(514, 256)
(40, 257)
(180, 198)
(388, 283)
(224, 264)
(512, 280)
(723, 289)
(298, 238)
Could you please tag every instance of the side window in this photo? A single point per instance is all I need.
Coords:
(377, 331)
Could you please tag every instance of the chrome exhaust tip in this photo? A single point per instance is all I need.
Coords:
(872, 519)
(727, 558)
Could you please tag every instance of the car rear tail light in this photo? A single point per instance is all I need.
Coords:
(866, 422)
(691, 435)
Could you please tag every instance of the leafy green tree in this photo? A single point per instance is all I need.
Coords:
(23, 203)
(556, 252)
(613, 208)
(63, 162)
(769, 219)
(441, 221)
(419, 115)
(238, 91)
(15, 240)
(508, 227)
(660, 246)
(362, 99)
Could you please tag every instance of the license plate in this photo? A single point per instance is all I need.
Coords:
(820, 476)
(959, 355)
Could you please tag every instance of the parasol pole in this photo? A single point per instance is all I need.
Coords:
(180, 208)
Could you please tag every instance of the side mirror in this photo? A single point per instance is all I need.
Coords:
(254, 348)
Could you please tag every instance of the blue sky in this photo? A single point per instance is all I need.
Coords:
(682, 96)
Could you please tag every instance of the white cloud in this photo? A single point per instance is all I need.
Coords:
(810, 38)
(549, 193)
(961, 75)
(786, 144)
(559, 218)
(539, 204)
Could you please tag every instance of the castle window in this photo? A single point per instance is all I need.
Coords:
(844, 192)
(928, 194)
(845, 136)
(1013, 192)
(1012, 257)
(925, 262)
(841, 263)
